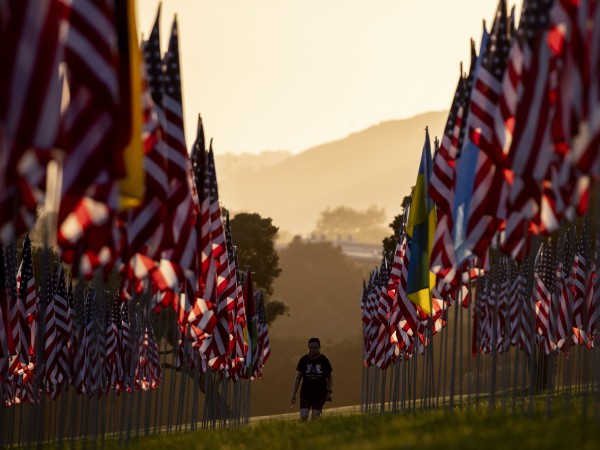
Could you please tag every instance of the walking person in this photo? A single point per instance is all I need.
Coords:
(314, 371)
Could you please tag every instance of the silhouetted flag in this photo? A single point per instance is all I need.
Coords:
(421, 228)
(153, 57)
(251, 321)
(264, 346)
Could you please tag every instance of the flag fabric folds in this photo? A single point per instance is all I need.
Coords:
(421, 229)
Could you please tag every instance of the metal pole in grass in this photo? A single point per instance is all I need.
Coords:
(196, 393)
(392, 387)
(478, 358)
(516, 388)
(363, 382)
(596, 377)
(494, 345)
(453, 367)
(370, 389)
(234, 402)
(183, 385)
(207, 399)
(428, 363)
(442, 335)
(469, 309)
(461, 348)
(37, 430)
(162, 355)
(396, 378)
(373, 388)
(414, 379)
(382, 395)
(178, 338)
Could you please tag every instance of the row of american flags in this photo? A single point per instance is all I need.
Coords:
(91, 130)
(502, 217)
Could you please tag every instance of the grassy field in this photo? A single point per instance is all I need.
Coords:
(472, 429)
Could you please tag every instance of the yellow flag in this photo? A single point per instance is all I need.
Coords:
(131, 188)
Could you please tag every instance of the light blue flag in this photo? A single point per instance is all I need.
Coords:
(466, 168)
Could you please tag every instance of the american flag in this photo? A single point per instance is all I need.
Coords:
(521, 122)
(586, 142)
(579, 285)
(154, 66)
(19, 353)
(28, 297)
(218, 345)
(202, 316)
(125, 347)
(88, 134)
(241, 347)
(392, 289)
(264, 345)
(475, 213)
(58, 334)
(142, 227)
(383, 306)
(179, 264)
(148, 372)
(86, 359)
(561, 311)
(441, 189)
(251, 319)
(30, 98)
(6, 337)
(593, 299)
(406, 325)
(543, 289)
(111, 373)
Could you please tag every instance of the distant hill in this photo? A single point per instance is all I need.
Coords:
(376, 166)
(230, 164)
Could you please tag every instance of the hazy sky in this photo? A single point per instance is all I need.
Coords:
(290, 74)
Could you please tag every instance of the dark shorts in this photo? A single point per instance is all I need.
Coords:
(312, 403)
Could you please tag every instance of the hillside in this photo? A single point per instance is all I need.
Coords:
(376, 166)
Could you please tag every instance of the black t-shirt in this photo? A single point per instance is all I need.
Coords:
(314, 376)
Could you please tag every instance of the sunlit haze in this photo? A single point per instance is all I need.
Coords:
(288, 75)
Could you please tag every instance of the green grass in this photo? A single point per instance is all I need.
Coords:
(472, 429)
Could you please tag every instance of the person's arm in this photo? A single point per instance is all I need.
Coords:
(296, 386)
(329, 387)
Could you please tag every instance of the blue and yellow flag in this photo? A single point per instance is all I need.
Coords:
(421, 229)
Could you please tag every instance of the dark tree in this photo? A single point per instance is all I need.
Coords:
(254, 239)
(389, 243)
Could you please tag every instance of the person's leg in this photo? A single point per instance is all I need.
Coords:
(317, 408)
(305, 405)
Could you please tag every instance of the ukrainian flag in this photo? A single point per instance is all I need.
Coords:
(421, 229)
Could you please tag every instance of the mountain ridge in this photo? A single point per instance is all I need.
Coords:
(375, 166)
